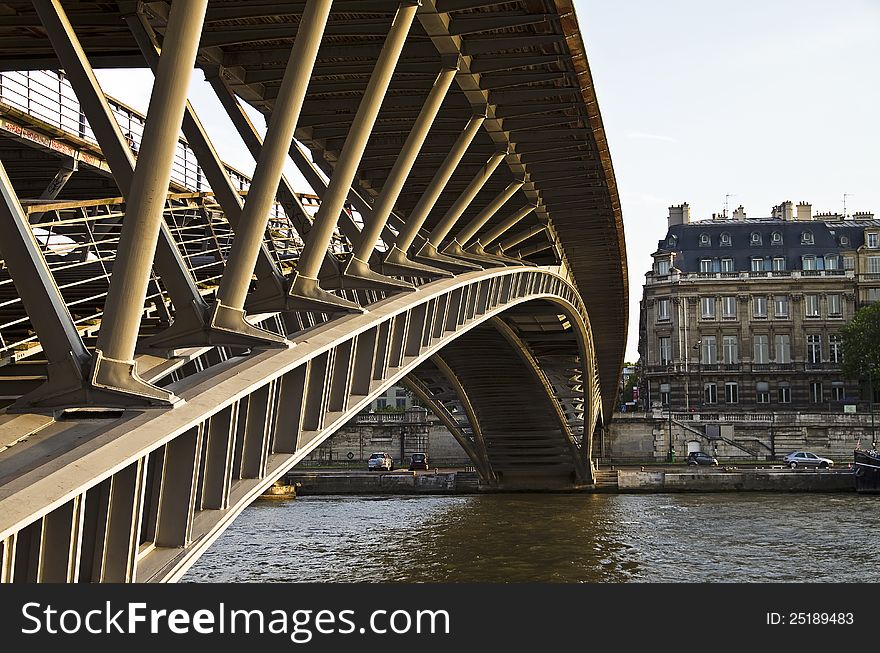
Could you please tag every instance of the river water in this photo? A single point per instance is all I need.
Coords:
(594, 538)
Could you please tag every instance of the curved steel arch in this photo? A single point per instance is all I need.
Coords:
(142, 497)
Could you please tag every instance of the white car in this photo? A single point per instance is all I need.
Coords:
(807, 459)
(380, 460)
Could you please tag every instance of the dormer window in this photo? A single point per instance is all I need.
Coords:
(725, 239)
(663, 266)
(776, 238)
(871, 239)
(807, 238)
(705, 240)
(844, 241)
(755, 238)
(672, 241)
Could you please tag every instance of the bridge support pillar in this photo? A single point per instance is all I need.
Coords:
(270, 163)
(429, 250)
(304, 284)
(358, 266)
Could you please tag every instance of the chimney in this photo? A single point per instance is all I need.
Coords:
(804, 211)
(680, 214)
(783, 211)
(739, 213)
(862, 215)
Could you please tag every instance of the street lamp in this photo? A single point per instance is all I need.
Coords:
(670, 456)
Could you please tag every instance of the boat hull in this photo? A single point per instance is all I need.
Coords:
(866, 469)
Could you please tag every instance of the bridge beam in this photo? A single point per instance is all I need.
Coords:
(234, 285)
(305, 280)
(220, 324)
(397, 259)
(517, 238)
(400, 171)
(62, 344)
(59, 181)
(114, 366)
(478, 246)
(429, 252)
(115, 148)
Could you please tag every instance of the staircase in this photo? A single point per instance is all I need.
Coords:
(606, 480)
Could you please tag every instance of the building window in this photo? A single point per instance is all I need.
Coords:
(815, 392)
(807, 238)
(664, 394)
(705, 240)
(665, 350)
(727, 265)
(760, 306)
(705, 265)
(835, 348)
(871, 240)
(731, 393)
(783, 348)
(814, 348)
(808, 262)
(874, 265)
(663, 267)
(672, 241)
(663, 309)
(710, 393)
(811, 305)
(833, 305)
(779, 264)
(725, 239)
(762, 392)
(728, 306)
(709, 350)
(837, 391)
(873, 294)
(831, 262)
(755, 238)
(780, 306)
(757, 265)
(731, 349)
(776, 238)
(844, 241)
(762, 349)
(849, 263)
(708, 307)
(784, 392)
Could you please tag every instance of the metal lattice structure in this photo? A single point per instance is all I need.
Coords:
(174, 335)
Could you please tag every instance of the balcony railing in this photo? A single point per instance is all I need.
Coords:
(698, 368)
(756, 274)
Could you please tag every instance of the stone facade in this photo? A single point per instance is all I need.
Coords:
(744, 314)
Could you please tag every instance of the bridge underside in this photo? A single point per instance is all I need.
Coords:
(175, 335)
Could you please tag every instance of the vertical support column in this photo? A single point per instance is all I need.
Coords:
(401, 169)
(248, 239)
(64, 349)
(255, 452)
(396, 258)
(122, 525)
(114, 354)
(60, 544)
(178, 492)
(364, 356)
(220, 447)
(289, 413)
(305, 280)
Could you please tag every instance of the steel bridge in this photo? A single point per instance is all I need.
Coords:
(175, 336)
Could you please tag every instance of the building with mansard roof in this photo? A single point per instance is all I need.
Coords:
(744, 314)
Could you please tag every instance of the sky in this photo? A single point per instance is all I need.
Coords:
(759, 100)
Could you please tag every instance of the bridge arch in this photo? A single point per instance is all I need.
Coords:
(247, 420)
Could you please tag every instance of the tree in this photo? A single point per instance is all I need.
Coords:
(861, 351)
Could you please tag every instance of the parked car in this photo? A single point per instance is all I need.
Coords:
(380, 460)
(701, 458)
(807, 459)
(418, 461)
